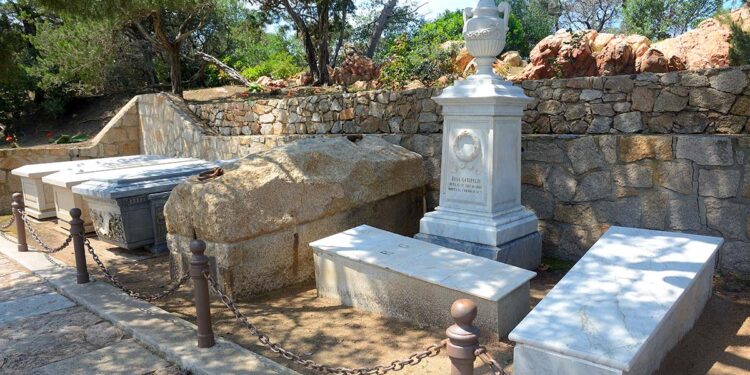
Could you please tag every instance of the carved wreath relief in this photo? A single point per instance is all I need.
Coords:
(108, 225)
(467, 147)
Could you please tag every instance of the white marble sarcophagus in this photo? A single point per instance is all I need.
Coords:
(621, 308)
(39, 198)
(62, 182)
(412, 280)
(126, 208)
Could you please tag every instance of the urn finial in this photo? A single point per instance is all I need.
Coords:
(485, 33)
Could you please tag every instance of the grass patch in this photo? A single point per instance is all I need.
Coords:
(553, 264)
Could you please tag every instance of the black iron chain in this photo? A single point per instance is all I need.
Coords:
(398, 365)
(112, 279)
(46, 248)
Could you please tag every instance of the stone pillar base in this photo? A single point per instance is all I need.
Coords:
(525, 252)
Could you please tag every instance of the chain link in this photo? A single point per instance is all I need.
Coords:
(9, 223)
(112, 279)
(46, 248)
(490, 362)
(398, 365)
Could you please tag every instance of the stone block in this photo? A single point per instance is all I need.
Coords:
(600, 125)
(417, 281)
(583, 154)
(706, 150)
(534, 173)
(712, 99)
(608, 146)
(643, 99)
(561, 184)
(628, 276)
(542, 203)
(542, 151)
(661, 123)
(690, 123)
(290, 196)
(727, 217)
(550, 107)
(718, 183)
(676, 175)
(594, 186)
(742, 106)
(732, 81)
(634, 148)
(603, 109)
(524, 252)
(630, 122)
(633, 175)
(735, 257)
(669, 102)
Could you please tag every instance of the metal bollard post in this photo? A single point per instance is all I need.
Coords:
(463, 337)
(198, 265)
(18, 206)
(77, 232)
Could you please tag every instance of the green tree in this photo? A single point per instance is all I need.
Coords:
(166, 24)
(659, 19)
(739, 51)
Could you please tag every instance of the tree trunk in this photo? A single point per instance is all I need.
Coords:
(148, 60)
(310, 55)
(323, 33)
(175, 70)
(340, 42)
(377, 31)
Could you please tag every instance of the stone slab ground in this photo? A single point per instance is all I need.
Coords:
(324, 331)
(45, 333)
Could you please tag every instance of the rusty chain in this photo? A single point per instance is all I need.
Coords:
(112, 279)
(490, 362)
(398, 365)
(46, 248)
(9, 223)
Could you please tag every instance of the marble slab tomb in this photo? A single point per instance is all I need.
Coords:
(621, 308)
(417, 281)
(127, 207)
(63, 182)
(39, 198)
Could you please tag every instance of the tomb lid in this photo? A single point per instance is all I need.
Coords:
(607, 306)
(44, 169)
(179, 167)
(480, 277)
(114, 190)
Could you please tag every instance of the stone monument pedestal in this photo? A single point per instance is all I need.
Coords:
(480, 209)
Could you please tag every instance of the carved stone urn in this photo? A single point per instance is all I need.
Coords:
(485, 33)
(480, 209)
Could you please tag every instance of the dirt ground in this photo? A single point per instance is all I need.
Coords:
(323, 331)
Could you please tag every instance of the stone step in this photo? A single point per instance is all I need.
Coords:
(621, 308)
(412, 280)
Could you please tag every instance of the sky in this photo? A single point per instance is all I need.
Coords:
(433, 8)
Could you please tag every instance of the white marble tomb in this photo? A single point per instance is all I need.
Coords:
(39, 198)
(621, 308)
(63, 182)
(417, 281)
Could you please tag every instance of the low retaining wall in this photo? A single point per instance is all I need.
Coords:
(120, 137)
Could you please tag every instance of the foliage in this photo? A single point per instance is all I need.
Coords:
(659, 19)
(535, 20)
(83, 57)
(739, 51)
(66, 139)
(410, 61)
(265, 54)
(255, 88)
(590, 14)
(280, 65)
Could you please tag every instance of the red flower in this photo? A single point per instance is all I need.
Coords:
(9, 139)
(48, 134)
